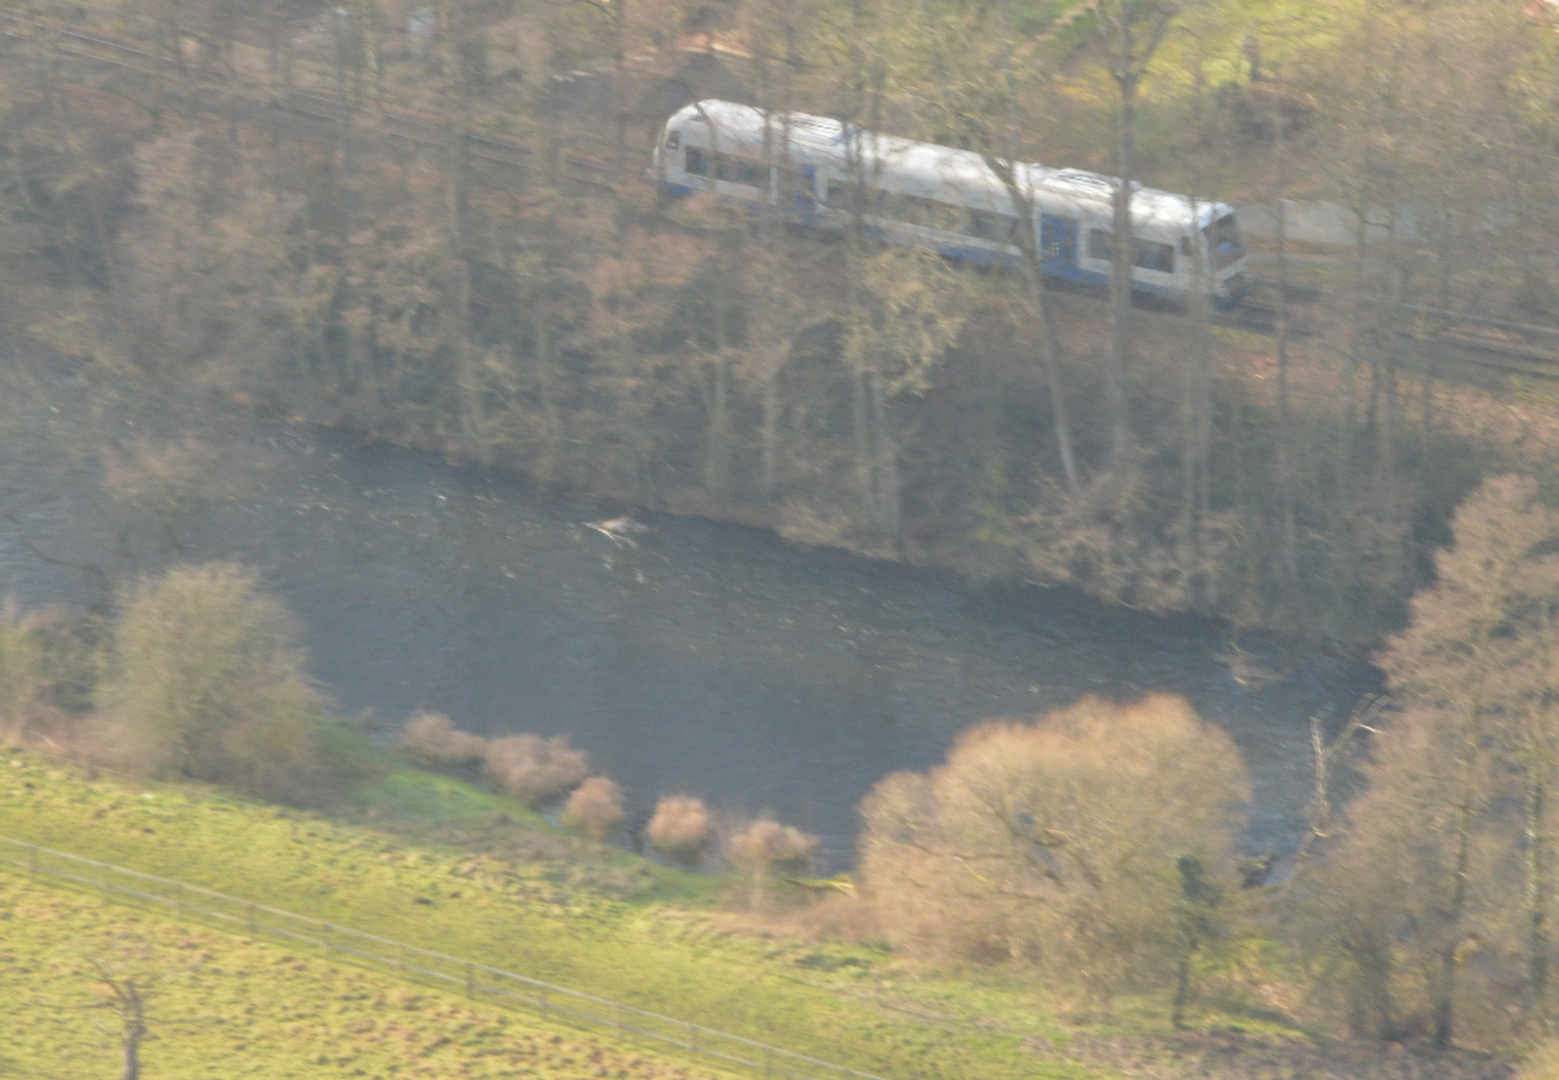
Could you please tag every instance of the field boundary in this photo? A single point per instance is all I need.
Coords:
(417, 964)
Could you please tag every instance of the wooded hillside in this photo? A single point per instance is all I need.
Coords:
(433, 224)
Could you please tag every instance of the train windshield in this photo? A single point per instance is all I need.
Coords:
(1223, 240)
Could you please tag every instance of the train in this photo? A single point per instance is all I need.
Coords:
(820, 173)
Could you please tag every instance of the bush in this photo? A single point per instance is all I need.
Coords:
(680, 829)
(206, 680)
(1081, 844)
(432, 739)
(766, 845)
(595, 807)
(533, 769)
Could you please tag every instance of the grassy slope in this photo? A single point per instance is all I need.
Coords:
(256, 1008)
(597, 921)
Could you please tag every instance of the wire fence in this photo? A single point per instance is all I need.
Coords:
(700, 1044)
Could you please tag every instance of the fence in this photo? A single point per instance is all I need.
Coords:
(477, 981)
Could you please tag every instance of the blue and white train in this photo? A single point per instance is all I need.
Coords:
(946, 200)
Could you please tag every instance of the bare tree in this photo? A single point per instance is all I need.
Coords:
(1130, 32)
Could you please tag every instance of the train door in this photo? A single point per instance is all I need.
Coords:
(1058, 241)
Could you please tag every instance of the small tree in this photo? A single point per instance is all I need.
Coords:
(765, 846)
(1446, 855)
(595, 807)
(680, 829)
(1086, 843)
(533, 769)
(208, 677)
(433, 739)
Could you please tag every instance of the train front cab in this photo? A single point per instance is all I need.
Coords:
(1225, 248)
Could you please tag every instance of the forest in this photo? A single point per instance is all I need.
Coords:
(433, 225)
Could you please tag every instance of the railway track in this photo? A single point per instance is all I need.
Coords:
(1497, 344)
(1483, 341)
(255, 100)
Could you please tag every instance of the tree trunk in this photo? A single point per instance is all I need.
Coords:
(341, 24)
(769, 436)
(134, 1030)
(1122, 252)
(1537, 887)
(887, 463)
(860, 420)
(1285, 451)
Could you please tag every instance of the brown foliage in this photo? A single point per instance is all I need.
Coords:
(766, 843)
(595, 807)
(765, 846)
(681, 829)
(1055, 843)
(533, 769)
(1431, 908)
(433, 739)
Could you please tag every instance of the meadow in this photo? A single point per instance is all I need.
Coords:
(216, 1004)
(437, 863)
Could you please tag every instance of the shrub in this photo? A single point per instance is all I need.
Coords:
(1083, 843)
(680, 829)
(533, 769)
(766, 845)
(433, 739)
(595, 807)
(206, 680)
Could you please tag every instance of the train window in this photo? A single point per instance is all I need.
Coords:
(797, 184)
(1003, 228)
(697, 162)
(1099, 246)
(931, 213)
(737, 171)
(1152, 256)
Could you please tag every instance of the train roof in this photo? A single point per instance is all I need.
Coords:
(927, 169)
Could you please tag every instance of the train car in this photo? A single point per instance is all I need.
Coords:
(822, 173)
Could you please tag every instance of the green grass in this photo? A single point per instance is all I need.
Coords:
(435, 862)
(507, 890)
(218, 1005)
